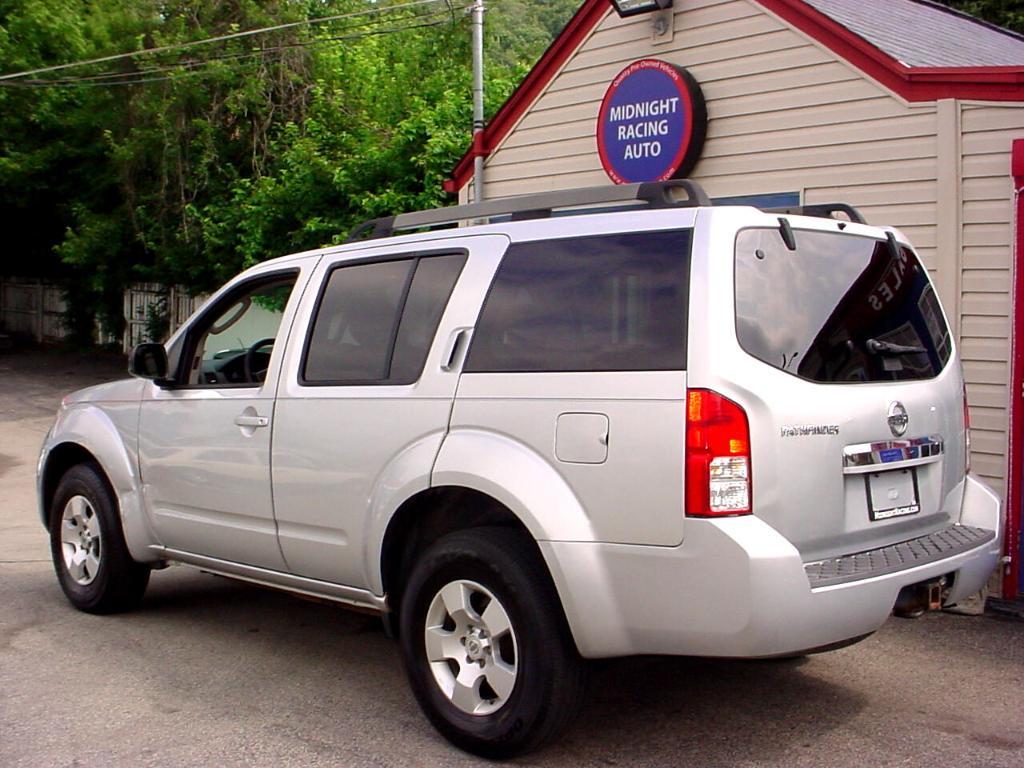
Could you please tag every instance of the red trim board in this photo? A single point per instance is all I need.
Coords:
(1015, 453)
(910, 83)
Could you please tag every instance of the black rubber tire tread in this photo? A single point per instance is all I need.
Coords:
(120, 582)
(552, 675)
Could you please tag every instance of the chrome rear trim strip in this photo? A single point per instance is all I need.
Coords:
(916, 450)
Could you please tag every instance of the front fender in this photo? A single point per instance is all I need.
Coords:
(519, 478)
(107, 433)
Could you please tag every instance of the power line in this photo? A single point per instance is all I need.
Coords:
(188, 64)
(194, 67)
(217, 39)
(260, 52)
(197, 68)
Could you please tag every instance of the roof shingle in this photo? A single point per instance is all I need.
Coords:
(925, 34)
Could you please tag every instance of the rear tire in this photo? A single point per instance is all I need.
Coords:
(87, 544)
(486, 646)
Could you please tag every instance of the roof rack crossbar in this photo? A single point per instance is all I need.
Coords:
(374, 227)
(660, 194)
(821, 210)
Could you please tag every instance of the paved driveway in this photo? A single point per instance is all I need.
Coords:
(212, 672)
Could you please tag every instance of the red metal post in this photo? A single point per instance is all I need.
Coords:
(1015, 454)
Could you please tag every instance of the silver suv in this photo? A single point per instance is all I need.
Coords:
(652, 426)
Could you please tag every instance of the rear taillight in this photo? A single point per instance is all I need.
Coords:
(967, 433)
(717, 456)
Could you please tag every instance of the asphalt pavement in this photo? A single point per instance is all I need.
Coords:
(211, 672)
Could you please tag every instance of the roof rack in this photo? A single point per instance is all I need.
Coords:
(655, 194)
(821, 210)
(660, 194)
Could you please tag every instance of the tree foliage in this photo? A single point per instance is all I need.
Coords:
(182, 166)
(1004, 13)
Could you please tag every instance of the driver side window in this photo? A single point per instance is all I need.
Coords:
(233, 346)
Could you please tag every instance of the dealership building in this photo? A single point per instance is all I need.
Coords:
(907, 110)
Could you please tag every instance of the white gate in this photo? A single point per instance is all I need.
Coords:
(34, 309)
(154, 309)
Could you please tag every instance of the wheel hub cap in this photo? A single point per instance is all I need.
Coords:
(471, 647)
(80, 540)
(477, 645)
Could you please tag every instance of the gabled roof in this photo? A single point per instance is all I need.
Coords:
(920, 50)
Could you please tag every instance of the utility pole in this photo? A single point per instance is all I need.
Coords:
(478, 100)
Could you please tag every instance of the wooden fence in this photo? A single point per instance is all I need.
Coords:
(149, 305)
(31, 308)
(34, 309)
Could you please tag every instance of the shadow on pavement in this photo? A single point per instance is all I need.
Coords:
(692, 709)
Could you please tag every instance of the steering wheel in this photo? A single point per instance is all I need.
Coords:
(251, 372)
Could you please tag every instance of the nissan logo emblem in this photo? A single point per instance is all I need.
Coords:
(897, 418)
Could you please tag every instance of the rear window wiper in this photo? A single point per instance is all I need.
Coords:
(877, 347)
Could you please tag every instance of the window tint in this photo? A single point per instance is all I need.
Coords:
(431, 286)
(839, 308)
(606, 303)
(355, 322)
(358, 336)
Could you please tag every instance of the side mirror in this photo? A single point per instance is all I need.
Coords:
(149, 361)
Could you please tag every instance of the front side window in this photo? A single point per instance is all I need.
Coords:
(375, 321)
(605, 303)
(232, 344)
(840, 308)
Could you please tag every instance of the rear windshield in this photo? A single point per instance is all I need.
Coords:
(840, 308)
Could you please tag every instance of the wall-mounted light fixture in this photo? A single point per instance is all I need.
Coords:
(633, 7)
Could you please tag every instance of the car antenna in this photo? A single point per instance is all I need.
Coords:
(894, 246)
(786, 230)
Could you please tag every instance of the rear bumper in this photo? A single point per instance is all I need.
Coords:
(738, 588)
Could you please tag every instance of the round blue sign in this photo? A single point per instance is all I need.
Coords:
(652, 123)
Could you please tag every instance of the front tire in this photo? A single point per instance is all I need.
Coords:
(486, 646)
(87, 544)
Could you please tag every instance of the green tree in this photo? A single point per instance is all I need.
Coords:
(185, 164)
(1008, 14)
(518, 31)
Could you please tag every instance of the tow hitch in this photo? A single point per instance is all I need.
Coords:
(914, 599)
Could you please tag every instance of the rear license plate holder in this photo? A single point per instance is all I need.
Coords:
(892, 493)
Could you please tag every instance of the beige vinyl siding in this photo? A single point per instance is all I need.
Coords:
(785, 115)
(987, 220)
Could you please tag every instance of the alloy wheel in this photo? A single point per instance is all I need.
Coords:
(471, 647)
(81, 539)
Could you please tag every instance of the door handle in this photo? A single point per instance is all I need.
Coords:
(455, 348)
(246, 420)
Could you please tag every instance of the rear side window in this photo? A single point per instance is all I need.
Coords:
(606, 303)
(431, 286)
(374, 322)
(839, 308)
